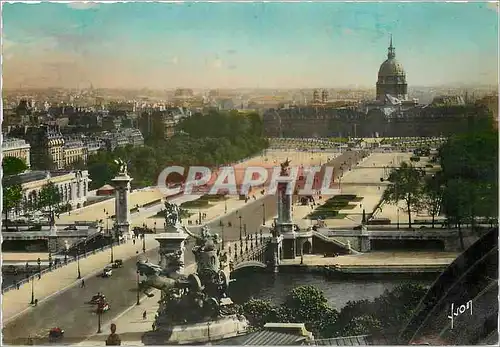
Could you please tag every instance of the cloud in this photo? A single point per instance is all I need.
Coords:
(175, 60)
(82, 5)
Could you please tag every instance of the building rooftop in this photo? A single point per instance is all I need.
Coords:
(12, 142)
(265, 338)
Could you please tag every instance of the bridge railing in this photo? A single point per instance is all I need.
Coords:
(61, 264)
(248, 249)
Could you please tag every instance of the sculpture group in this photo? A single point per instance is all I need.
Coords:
(194, 298)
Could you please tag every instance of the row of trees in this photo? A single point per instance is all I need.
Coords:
(48, 200)
(307, 304)
(213, 139)
(464, 189)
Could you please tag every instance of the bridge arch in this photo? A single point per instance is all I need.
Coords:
(248, 264)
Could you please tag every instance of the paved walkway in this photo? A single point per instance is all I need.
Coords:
(24, 256)
(130, 324)
(98, 210)
(275, 157)
(17, 301)
(378, 259)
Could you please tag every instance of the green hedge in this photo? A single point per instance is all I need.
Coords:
(213, 197)
(196, 204)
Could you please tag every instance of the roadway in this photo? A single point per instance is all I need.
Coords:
(69, 310)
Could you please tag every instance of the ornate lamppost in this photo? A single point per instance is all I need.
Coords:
(241, 229)
(99, 314)
(143, 241)
(138, 301)
(32, 290)
(78, 262)
(39, 262)
(263, 214)
(222, 235)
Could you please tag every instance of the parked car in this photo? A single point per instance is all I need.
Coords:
(107, 272)
(117, 263)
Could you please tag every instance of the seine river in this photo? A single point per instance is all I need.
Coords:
(275, 287)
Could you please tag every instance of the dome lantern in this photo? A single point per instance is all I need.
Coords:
(391, 78)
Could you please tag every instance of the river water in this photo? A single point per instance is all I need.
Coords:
(275, 287)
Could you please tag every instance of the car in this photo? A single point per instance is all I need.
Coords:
(97, 298)
(117, 263)
(56, 334)
(107, 272)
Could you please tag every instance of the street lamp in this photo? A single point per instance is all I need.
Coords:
(99, 314)
(143, 242)
(138, 302)
(32, 290)
(263, 214)
(107, 222)
(241, 234)
(78, 262)
(222, 233)
(39, 262)
(111, 248)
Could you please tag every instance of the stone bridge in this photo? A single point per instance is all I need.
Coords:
(253, 251)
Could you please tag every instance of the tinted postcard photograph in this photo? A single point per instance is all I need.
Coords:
(249, 173)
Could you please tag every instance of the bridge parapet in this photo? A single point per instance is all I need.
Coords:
(251, 251)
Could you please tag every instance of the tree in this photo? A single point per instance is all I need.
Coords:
(406, 184)
(362, 325)
(394, 308)
(13, 166)
(11, 197)
(307, 304)
(50, 199)
(432, 197)
(258, 312)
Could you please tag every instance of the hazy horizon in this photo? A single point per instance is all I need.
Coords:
(246, 45)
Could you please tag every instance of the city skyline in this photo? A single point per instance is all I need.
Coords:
(250, 45)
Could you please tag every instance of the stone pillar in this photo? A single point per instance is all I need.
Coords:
(171, 241)
(284, 224)
(276, 243)
(52, 244)
(122, 208)
(364, 240)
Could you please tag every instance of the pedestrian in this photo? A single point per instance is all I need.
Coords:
(36, 302)
(17, 285)
(113, 338)
(83, 283)
(144, 315)
(133, 241)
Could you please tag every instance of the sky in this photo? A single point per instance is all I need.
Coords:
(245, 45)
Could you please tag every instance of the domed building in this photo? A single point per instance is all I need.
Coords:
(391, 79)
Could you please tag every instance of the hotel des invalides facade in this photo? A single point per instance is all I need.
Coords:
(391, 114)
